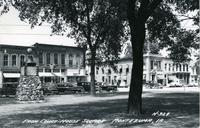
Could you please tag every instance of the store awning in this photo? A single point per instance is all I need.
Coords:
(45, 74)
(172, 77)
(11, 75)
(57, 74)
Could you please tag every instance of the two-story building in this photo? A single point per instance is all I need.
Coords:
(156, 69)
(56, 63)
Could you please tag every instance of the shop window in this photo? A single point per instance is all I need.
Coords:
(47, 70)
(56, 70)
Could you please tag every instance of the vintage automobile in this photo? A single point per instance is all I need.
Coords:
(87, 86)
(50, 88)
(153, 85)
(177, 83)
(69, 88)
(108, 87)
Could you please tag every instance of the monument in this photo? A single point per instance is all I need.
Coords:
(29, 88)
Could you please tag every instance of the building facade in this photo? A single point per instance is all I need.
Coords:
(55, 63)
(156, 69)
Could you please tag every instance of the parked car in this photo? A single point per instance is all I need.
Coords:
(153, 85)
(69, 87)
(50, 88)
(177, 83)
(107, 87)
(87, 86)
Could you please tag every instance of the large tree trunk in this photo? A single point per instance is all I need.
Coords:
(92, 73)
(135, 93)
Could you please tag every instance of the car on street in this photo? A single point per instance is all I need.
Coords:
(87, 86)
(68, 87)
(50, 88)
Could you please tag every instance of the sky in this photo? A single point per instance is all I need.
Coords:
(15, 32)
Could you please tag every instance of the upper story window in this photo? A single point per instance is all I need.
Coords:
(55, 58)
(120, 70)
(180, 67)
(30, 57)
(40, 58)
(186, 67)
(176, 67)
(77, 60)
(70, 60)
(173, 67)
(97, 70)
(102, 71)
(103, 79)
(14, 60)
(63, 59)
(5, 59)
(151, 64)
(127, 70)
(48, 58)
(22, 60)
(165, 67)
(109, 71)
(159, 64)
(169, 67)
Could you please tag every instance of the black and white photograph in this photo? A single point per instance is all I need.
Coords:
(99, 63)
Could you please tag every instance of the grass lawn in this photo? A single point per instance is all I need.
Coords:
(161, 109)
(7, 100)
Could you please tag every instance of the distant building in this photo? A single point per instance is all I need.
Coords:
(157, 69)
(55, 63)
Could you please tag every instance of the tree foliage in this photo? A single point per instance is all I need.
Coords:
(95, 24)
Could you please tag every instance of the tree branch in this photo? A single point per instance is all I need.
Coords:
(88, 25)
(151, 7)
(131, 11)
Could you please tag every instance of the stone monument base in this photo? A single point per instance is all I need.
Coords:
(29, 89)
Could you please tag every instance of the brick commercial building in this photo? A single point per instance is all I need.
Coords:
(56, 63)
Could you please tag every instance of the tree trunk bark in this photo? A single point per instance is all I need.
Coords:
(92, 73)
(135, 93)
